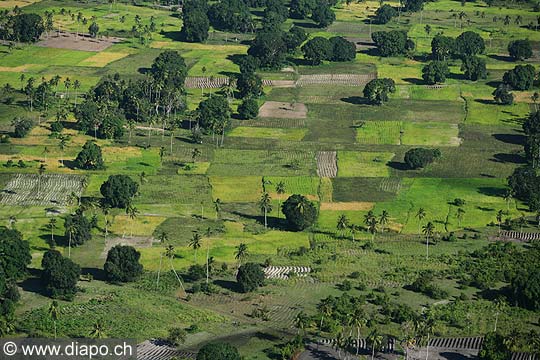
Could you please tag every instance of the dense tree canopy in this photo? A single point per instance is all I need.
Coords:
(21, 126)
(122, 264)
(442, 47)
(521, 77)
(417, 158)
(520, 49)
(26, 27)
(435, 72)
(90, 157)
(60, 275)
(195, 23)
(249, 84)
(317, 50)
(474, 68)
(413, 5)
(299, 212)
(342, 49)
(385, 13)
(301, 9)
(470, 43)
(169, 69)
(502, 95)
(118, 191)
(214, 113)
(494, 348)
(525, 185)
(230, 15)
(294, 38)
(77, 229)
(391, 43)
(377, 90)
(218, 351)
(248, 109)
(249, 277)
(15, 253)
(269, 48)
(323, 14)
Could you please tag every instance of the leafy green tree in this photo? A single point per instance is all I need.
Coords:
(322, 14)
(521, 77)
(169, 69)
(317, 50)
(494, 348)
(377, 90)
(502, 95)
(435, 72)
(342, 49)
(230, 15)
(249, 85)
(520, 50)
(474, 68)
(525, 185)
(417, 158)
(90, 157)
(248, 109)
(250, 276)
(218, 351)
(93, 29)
(470, 43)
(177, 336)
(21, 126)
(60, 275)
(413, 5)
(118, 191)
(301, 9)
(299, 212)
(294, 38)
(78, 228)
(26, 28)
(15, 254)
(214, 113)
(269, 49)
(384, 14)
(195, 23)
(391, 43)
(122, 264)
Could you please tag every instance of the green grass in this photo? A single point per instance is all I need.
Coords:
(363, 164)
(271, 133)
(430, 134)
(379, 132)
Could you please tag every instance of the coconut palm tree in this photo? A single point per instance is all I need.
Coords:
(54, 314)
(195, 243)
(106, 210)
(460, 214)
(280, 190)
(358, 320)
(326, 310)
(98, 331)
(508, 198)
(425, 329)
(384, 218)
(208, 235)
(217, 207)
(76, 86)
(70, 229)
(12, 220)
(41, 171)
(52, 225)
(301, 321)
(374, 339)
(499, 217)
(420, 215)
(265, 204)
(195, 153)
(428, 230)
(64, 140)
(372, 227)
(169, 254)
(241, 253)
(500, 306)
(132, 212)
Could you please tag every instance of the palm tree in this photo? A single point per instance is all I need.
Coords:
(106, 210)
(372, 227)
(507, 198)
(217, 207)
(500, 306)
(326, 310)
(54, 313)
(374, 340)
(98, 330)
(460, 214)
(428, 231)
(522, 222)
(64, 140)
(41, 171)
(12, 220)
(208, 235)
(425, 328)
(67, 85)
(70, 229)
(169, 253)
(241, 253)
(76, 86)
(358, 320)
(383, 219)
(265, 204)
(301, 321)
(280, 190)
(195, 243)
(142, 178)
(195, 153)
(342, 223)
(499, 217)
(420, 215)
(52, 226)
(132, 212)
(409, 339)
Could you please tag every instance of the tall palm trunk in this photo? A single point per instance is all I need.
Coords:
(159, 270)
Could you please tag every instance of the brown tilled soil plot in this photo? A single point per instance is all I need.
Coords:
(72, 42)
(277, 109)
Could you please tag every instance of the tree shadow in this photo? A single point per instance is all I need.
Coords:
(371, 51)
(494, 84)
(398, 165)
(174, 35)
(97, 274)
(491, 191)
(486, 101)
(456, 76)
(355, 100)
(456, 356)
(415, 81)
(227, 285)
(501, 58)
(508, 158)
(33, 283)
(306, 25)
(514, 139)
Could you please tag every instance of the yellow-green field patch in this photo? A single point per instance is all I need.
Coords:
(269, 133)
(363, 164)
(430, 134)
(102, 59)
(379, 132)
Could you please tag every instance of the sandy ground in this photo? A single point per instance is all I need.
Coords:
(283, 110)
(83, 42)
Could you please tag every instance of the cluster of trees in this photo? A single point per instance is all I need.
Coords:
(319, 11)
(21, 126)
(271, 46)
(214, 115)
(13, 266)
(386, 12)
(218, 351)
(157, 98)
(18, 27)
(336, 48)
(418, 158)
(531, 128)
(231, 15)
(195, 23)
(392, 43)
(60, 275)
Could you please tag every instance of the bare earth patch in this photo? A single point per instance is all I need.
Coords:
(347, 206)
(277, 109)
(135, 241)
(83, 42)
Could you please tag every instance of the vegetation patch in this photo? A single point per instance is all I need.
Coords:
(363, 164)
(290, 134)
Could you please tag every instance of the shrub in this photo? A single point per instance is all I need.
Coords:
(21, 126)
(90, 157)
(249, 277)
(417, 158)
(122, 264)
(218, 351)
(384, 14)
(520, 49)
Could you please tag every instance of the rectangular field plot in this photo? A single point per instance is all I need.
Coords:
(46, 190)
(379, 132)
(102, 59)
(262, 162)
(363, 164)
(365, 189)
(430, 133)
(270, 133)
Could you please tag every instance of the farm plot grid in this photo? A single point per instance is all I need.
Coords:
(51, 189)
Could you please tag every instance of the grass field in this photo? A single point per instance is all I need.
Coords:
(363, 164)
